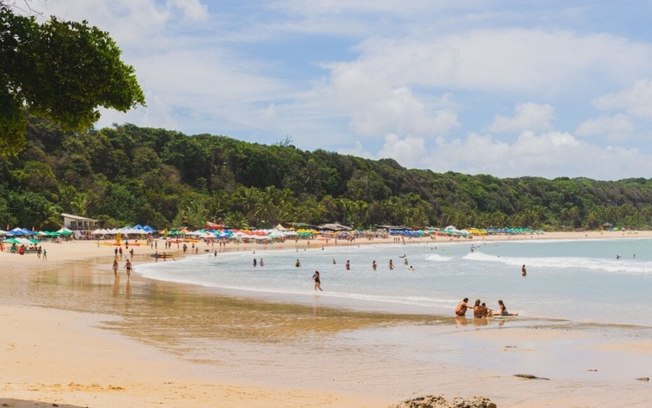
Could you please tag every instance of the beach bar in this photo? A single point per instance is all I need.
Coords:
(77, 223)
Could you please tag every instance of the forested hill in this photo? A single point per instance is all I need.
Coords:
(133, 175)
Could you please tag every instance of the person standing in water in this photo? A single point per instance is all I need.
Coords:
(317, 281)
(128, 268)
(523, 271)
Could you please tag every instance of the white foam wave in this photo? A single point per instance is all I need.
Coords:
(596, 264)
(438, 258)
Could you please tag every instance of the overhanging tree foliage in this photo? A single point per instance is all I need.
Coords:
(59, 70)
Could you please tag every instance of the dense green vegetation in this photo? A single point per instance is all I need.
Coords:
(129, 175)
(59, 70)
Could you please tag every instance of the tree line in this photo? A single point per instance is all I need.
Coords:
(134, 175)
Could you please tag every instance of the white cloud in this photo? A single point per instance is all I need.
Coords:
(527, 116)
(550, 154)
(616, 128)
(377, 107)
(192, 10)
(409, 151)
(503, 60)
(636, 100)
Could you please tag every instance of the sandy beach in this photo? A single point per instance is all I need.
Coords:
(75, 336)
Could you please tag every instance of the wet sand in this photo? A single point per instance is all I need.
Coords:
(73, 334)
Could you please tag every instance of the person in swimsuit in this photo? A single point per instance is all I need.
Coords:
(523, 271)
(317, 281)
(115, 267)
(460, 310)
(479, 310)
(503, 310)
(128, 267)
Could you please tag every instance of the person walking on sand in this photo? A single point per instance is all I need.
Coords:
(461, 308)
(115, 266)
(523, 271)
(317, 281)
(128, 268)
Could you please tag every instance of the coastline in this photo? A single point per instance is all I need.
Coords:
(72, 336)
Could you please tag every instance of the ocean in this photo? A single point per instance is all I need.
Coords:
(601, 281)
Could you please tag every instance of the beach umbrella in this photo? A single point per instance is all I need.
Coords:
(16, 232)
(65, 232)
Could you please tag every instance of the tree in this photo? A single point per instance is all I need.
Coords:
(59, 70)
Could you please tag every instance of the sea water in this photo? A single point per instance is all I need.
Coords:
(595, 281)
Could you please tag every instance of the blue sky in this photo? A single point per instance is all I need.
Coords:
(508, 87)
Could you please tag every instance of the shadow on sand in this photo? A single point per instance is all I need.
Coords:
(16, 403)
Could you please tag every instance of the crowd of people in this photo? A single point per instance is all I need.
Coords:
(480, 309)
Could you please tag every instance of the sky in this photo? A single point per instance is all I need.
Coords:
(509, 88)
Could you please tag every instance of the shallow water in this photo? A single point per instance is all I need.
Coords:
(571, 280)
(384, 333)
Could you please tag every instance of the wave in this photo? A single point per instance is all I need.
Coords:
(438, 258)
(595, 264)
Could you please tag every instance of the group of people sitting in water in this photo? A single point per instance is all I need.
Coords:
(481, 310)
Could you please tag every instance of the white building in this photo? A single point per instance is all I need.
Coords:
(76, 222)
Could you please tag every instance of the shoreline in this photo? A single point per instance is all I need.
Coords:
(130, 348)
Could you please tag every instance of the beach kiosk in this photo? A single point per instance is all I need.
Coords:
(78, 224)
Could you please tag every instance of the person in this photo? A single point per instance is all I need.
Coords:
(255, 262)
(128, 268)
(261, 262)
(391, 265)
(317, 281)
(373, 265)
(115, 266)
(460, 310)
(503, 309)
(488, 312)
(479, 311)
(45, 254)
(523, 271)
(297, 263)
(348, 265)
